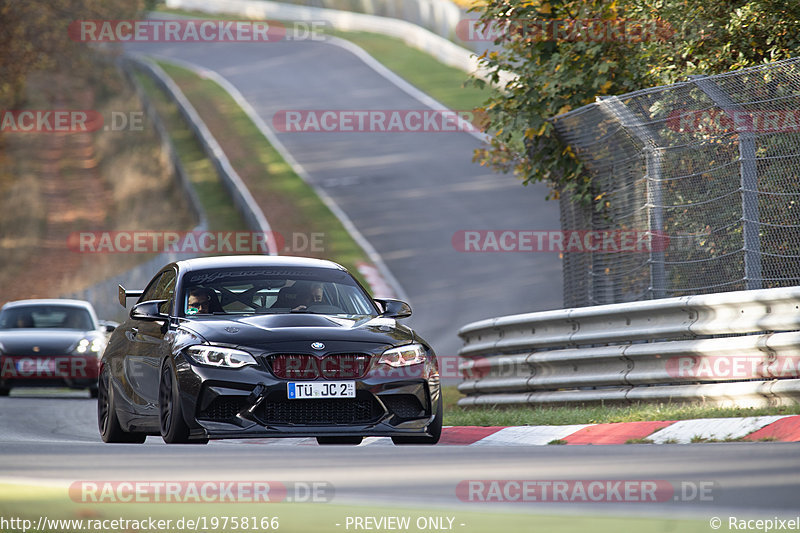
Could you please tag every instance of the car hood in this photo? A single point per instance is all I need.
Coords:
(264, 331)
(48, 341)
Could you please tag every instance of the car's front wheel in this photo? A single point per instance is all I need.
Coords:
(110, 428)
(434, 429)
(174, 429)
(5, 392)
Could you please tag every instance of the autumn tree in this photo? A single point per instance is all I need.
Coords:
(34, 37)
(563, 59)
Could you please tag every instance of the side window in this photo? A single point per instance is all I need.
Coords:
(165, 290)
(150, 292)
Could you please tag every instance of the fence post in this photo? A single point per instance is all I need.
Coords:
(653, 157)
(749, 182)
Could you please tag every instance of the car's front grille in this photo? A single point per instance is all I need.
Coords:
(403, 405)
(223, 408)
(306, 366)
(362, 409)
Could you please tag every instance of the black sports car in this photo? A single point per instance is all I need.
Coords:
(50, 343)
(257, 346)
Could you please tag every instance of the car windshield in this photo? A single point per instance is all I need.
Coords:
(274, 291)
(46, 316)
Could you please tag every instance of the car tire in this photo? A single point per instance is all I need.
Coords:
(174, 429)
(4, 392)
(110, 429)
(353, 441)
(435, 430)
(93, 392)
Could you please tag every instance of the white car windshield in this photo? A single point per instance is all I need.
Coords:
(46, 316)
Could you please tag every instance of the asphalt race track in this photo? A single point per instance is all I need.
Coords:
(407, 193)
(50, 436)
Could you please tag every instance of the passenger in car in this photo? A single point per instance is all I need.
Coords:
(24, 320)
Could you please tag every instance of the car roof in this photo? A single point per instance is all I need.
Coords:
(229, 261)
(67, 302)
(50, 301)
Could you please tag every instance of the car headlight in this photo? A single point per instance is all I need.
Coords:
(410, 354)
(219, 356)
(88, 346)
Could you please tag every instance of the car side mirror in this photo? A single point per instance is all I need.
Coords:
(148, 311)
(394, 308)
(107, 326)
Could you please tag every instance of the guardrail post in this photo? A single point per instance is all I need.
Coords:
(652, 150)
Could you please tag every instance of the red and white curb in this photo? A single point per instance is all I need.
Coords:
(774, 428)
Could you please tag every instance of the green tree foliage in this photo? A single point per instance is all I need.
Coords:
(642, 43)
(34, 36)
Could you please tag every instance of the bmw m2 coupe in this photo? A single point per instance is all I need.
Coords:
(258, 346)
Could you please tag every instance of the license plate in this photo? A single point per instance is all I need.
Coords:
(37, 365)
(321, 389)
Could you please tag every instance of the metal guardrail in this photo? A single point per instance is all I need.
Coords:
(738, 348)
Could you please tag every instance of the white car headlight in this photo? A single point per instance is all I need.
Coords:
(88, 346)
(219, 356)
(410, 354)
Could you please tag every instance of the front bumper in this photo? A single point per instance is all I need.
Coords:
(252, 402)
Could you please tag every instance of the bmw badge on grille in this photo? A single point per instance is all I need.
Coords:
(317, 346)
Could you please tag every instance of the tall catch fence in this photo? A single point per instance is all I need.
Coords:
(710, 167)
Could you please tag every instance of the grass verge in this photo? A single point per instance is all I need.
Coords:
(592, 414)
(444, 83)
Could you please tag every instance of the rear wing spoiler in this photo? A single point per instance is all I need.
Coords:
(124, 295)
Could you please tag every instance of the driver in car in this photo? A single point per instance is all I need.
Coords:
(198, 301)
